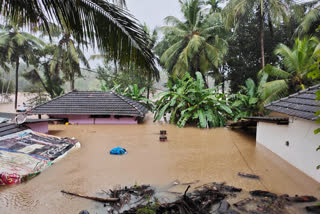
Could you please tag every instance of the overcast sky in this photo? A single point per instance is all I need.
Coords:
(153, 12)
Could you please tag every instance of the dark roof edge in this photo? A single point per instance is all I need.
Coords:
(30, 112)
(266, 118)
(292, 95)
(118, 95)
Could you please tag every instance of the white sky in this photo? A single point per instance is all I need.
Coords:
(153, 12)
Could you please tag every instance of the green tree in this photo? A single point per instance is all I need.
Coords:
(267, 11)
(243, 60)
(101, 23)
(41, 73)
(16, 45)
(114, 74)
(296, 66)
(195, 44)
(67, 57)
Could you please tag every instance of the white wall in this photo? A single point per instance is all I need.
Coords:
(303, 143)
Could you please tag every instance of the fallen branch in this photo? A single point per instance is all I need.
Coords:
(103, 200)
(248, 176)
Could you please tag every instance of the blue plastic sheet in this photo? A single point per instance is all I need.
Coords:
(118, 151)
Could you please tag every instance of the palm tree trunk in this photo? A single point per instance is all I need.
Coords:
(17, 88)
(72, 84)
(3, 82)
(115, 66)
(149, 83)
(262, 39)
(9, 82)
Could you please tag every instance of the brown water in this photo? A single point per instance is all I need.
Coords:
(190, 154)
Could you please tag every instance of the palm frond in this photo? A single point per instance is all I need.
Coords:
(105, 25)
(310, 18)
(275, 72)
(274, 90)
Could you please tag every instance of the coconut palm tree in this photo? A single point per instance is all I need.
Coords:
(268, 11)
(67, 55)
(16, 45)
(195, 42)
(297, 63)
(101, 22)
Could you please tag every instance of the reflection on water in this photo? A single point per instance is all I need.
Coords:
(189, 155)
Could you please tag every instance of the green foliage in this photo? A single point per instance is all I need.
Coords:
(315, 74)
(247, 102)
(194, 44)
(243, 60)
(38, 95)
(137, 94)
(151, 208)
(190, 102)
(133, 92)
(273, 12)
(122, 79)
(100, 23)
(50, 82)
(16, 45)
(6, 86)
(293, 77)
(311, 20)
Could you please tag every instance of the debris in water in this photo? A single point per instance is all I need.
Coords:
(302, 199)
(163, 138)
(163, 132)
(103, 200)
(118, 151)
(260, 193)
(209, 198)
(223, 187)
(313, 209)
(248, 175)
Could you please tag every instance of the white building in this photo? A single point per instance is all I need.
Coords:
(292, 136)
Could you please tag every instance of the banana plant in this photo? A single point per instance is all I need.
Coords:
(137, 94)
(247, 102)
(189, 102)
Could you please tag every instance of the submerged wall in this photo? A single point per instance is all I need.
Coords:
(87, 120)
(296, 143)
(41, 127)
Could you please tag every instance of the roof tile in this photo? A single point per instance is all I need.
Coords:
(93, 103)
(301, 104)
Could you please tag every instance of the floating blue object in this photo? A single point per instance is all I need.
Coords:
(118, 151)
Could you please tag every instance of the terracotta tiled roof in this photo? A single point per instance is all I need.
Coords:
(91, 103)
(301, 104)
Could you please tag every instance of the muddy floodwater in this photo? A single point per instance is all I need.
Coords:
(189, 155)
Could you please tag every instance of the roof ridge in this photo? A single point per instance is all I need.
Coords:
(292, 95)
(56, 98)
(121, 97)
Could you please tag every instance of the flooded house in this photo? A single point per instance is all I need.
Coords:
(93, 107)
(289, 133)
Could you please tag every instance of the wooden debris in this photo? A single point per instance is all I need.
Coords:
(103, 200)
(248, 175)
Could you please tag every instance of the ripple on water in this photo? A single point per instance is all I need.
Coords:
(18, 200)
